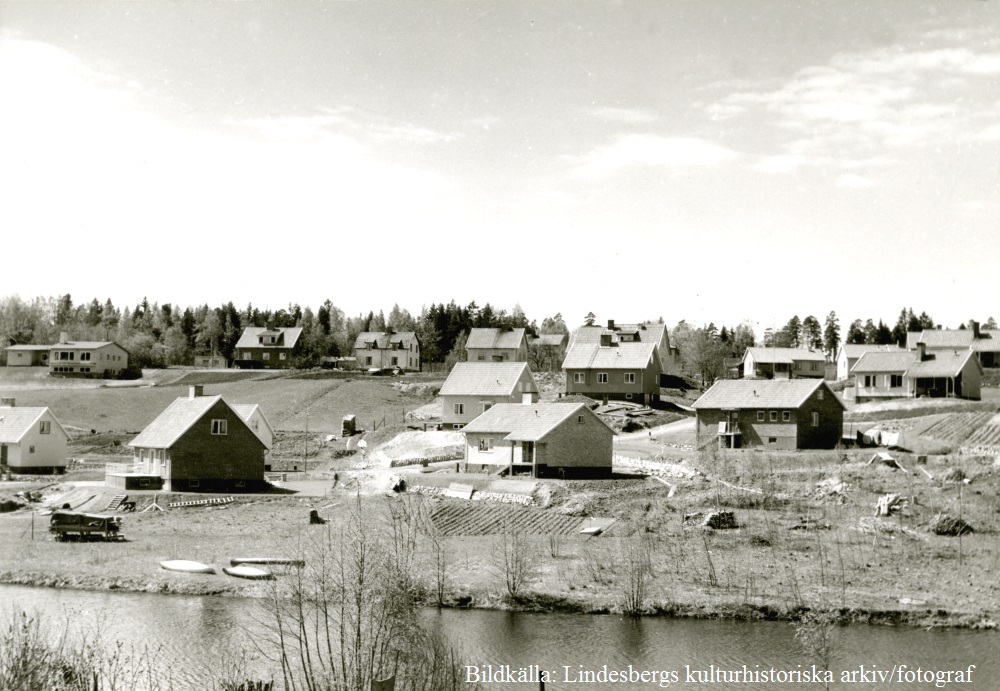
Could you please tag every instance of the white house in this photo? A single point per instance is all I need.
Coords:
(31, 440)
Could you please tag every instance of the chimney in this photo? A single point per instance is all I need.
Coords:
(611, 324)
(975, 328)
(63, 337)
(605, 339)
(269, 325)
(6, 402)
(195, 391)
(922, 351)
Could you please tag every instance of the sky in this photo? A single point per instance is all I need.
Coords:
(703, 160)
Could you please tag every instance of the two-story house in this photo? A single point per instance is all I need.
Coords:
(267, 347)
(544, 439)
(778, 414)
(783, 363)
(848, 354)
(641, 332)
(472, 388)
(86, 358)
(613, 370)
(497, 345)
(386, 349)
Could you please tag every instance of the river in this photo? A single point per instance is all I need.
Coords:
(190, 635)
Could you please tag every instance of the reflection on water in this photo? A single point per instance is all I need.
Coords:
(193, 637)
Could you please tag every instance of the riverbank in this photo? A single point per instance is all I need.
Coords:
(795, 547)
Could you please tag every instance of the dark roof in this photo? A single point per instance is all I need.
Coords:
(752, 394)
(176, 420)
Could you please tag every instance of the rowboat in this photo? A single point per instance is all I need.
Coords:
(186, 566)
(267, 561)
(250, 572)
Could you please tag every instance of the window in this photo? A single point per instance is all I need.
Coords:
(266, 356)
(219, 427)
(482, 357)
(394, 361)
(579, 377)
(368, 360)
(194, 483)
(487, 405)
(282, 356)
(602, 377)
(246, 355)
(486, 444)
(760, 416)
(774, 416)
(31, 449)
(786, 416)
(85, 356)
(772, 440)
(459, 409)
(579, 419)
(895, 380)
(815, 366)
(815, 419)
(628, 397)
(630, 377)
(819, 394)
(44, 427)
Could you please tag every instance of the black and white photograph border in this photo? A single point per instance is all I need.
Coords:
(726, 415)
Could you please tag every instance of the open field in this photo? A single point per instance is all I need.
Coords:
(806, 532)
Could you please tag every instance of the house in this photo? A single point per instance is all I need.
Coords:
(267, 347)
(547, 351)
(258, 422)
(848, 354)
(497, 345)
(985, 343)
(543, 439)
(775, 414)
(384, 349)
(199, 443)
(916, 373)
(783, 363)
(86, 358)
(210, 361)
(610, 369)
(31, 440)
(28, 356)
(642, 332)
(472, 388)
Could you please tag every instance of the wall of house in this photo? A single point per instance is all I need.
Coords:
(108, 360)
(577, 449)
(831, 421)
(971, 380)
(472, 407)
(217, 462)
(647, 383)
(808, 369)
(753, 434)
(50, 449)
(383, 357)
(27, 358)
(500, 455)
(879, 388)
(256, 355)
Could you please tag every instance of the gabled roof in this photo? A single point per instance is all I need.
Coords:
(618, 356)
(556, 340)
(729, 394)
(495, 338)
(784, 355)
(251, 337)
(855, 350)
(245, 410)
(384, 340)
(645, 332)
(176, 420)
(16, 422)
(942, 364)
(487, 379)
(527, 422)
(880, 361)
(989, 339)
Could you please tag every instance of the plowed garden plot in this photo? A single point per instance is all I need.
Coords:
(986, 439)
(461, 518)
(956, 427)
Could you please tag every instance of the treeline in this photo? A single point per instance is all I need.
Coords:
(157, 335)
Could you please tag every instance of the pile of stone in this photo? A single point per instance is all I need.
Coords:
(720, 520)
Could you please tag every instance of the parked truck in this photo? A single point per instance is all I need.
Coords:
(76, 525)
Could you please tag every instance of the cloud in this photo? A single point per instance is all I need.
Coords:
(780, 164)
(628, 116)
(853, 180)
(345, 122)
(652, 150)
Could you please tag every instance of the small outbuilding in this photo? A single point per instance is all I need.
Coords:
(541, 439)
